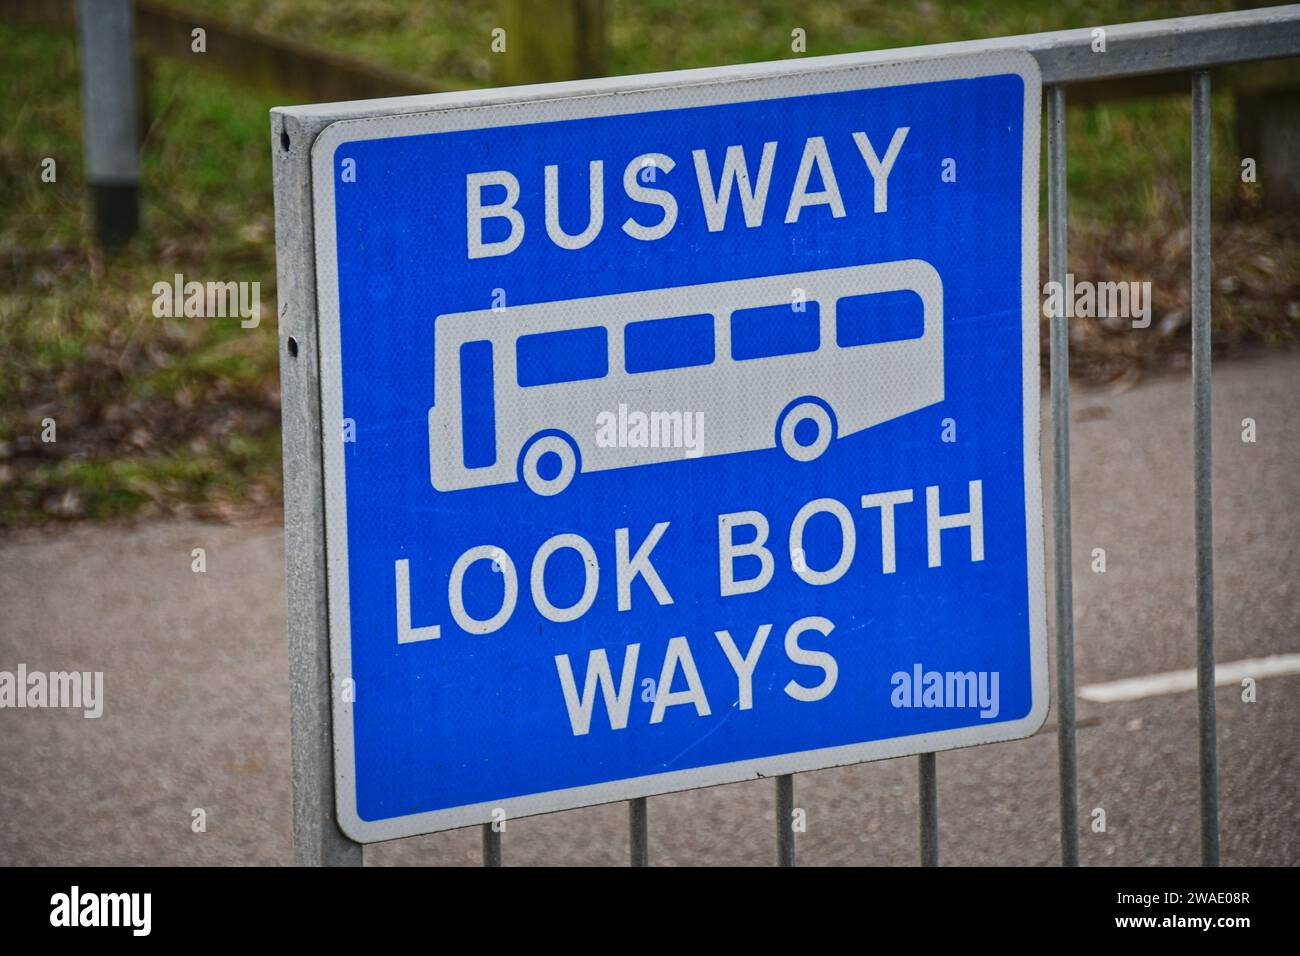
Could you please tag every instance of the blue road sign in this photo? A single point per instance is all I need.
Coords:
(679, 435)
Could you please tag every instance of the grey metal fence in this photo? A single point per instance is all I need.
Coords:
(1191, 45)
(1166, 46)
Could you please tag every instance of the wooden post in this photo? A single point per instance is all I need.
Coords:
(1268, 129)
(550, 40)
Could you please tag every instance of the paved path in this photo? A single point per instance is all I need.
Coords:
(196, 711)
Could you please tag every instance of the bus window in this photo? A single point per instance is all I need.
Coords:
(572, 355)
(879, 317)
(656, 344)
(775, 330)
(477, 405)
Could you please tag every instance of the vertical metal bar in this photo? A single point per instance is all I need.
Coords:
(1201, 266)
(638, 831)
(785, 820)
(109, 121)
(1057, 219)
(317, 839)
(928, 777)
(491, 846)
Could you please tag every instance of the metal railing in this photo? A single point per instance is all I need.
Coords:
(1195, 43)
(1190, 45)
(1187, 44)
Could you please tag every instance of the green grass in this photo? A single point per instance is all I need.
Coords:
(179, 414)
(1110, 144)
(116, 486)
(452, 40)
(153, 413)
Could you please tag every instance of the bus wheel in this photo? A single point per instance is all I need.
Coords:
(805, 429)
(548, 463)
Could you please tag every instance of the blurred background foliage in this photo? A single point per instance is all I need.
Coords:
(165, 415)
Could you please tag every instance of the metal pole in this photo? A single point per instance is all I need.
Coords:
(785, 820)
(929, 788)
(110, 126)
(491, 846)
(638, 831)
(1201, 266)
(1057, 218)
(317, 839)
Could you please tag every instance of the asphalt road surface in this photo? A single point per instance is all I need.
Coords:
(196, 688)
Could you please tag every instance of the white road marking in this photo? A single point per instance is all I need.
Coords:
(1173, 682)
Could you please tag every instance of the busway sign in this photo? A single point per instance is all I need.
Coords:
(678, 432)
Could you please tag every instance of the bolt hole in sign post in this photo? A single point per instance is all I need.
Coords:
(690, 431)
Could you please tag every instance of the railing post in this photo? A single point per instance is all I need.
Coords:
(1057, 220)
(785, 820)
(1201, 267)
(638, 831)
(491, 846)
(928, 778)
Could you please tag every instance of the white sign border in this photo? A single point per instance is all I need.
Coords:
(613, 97)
